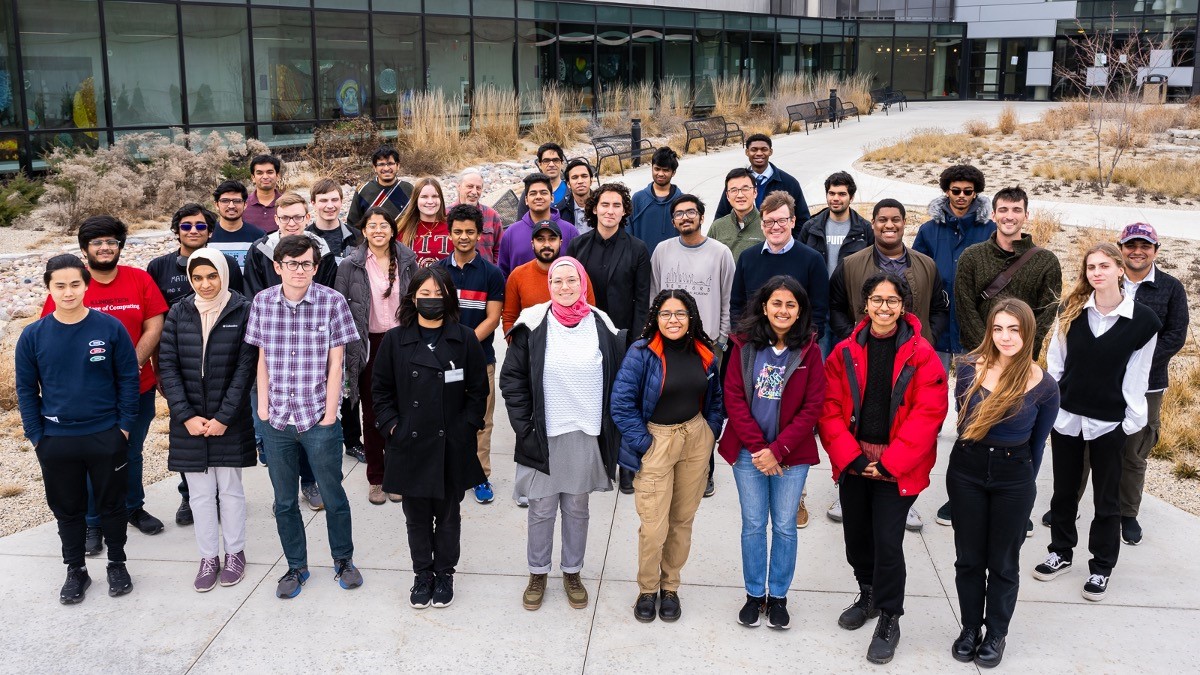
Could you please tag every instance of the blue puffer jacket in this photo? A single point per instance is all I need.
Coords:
(635, 396)
(944, 237)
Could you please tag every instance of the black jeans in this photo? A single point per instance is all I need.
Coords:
(434, 532)
(873, 515)
(351, 423)
(1106, 454)
(67, 464)
(991, 493)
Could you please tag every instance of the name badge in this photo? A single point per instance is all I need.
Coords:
(455, 375)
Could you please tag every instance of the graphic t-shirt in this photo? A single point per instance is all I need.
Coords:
(769, 367)
(131, 297)
(235, 244)
(432, 243)
(835, 235)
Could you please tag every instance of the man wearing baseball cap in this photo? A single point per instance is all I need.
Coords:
(529, 284)
(1162, 293)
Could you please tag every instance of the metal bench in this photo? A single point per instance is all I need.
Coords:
(621, 147)
(886, 97)
(711, 130)
(846, 109)
(806, 113)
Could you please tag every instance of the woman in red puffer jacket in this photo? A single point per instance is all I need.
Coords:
(885, 400)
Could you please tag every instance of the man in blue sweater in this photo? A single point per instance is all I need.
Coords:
(77, 388)
(769, 178)
(781, 254)
(651, 218)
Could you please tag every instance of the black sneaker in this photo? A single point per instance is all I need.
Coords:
(422, 590)
(943, 515)
(356, 451)
(1054, 566)
(1131, 531)
(443, 590)
(626, 477)
(644, 609)
(856, 615)
(75, 586)
(119, 582)
(885, 639)
(668, 606)
(1028, 528)
(777, 614)
(183, 515)
(262, 453)
(93, 541)
(710, 489)
(1095, 588)
(751, 611)
(144, 522)
(1046, 519)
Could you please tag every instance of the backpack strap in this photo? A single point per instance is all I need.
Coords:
(1006, 275)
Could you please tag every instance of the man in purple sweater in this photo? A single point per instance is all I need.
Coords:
(514, 245)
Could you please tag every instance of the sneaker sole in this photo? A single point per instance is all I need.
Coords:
(531, 606)
(649, 620)
(93, 554)
(671, 619)
(778, 627)
(118, 592)
(756, 623)
(880, 661)
(1043, 576)
(575, 604)
(75, 601)
(440, 605)
(317, 508)
(1131, 542)
(801, 527)
(1094, 597)
(917, 528)
(418, 606)
(484, 501)
(940, 521)
(204, 590)
(289, 597)
(836, 519)
(349, 587)
(232, 583)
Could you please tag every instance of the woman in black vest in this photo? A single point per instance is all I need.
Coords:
(1100, 355)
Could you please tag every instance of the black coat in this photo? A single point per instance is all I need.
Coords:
(1166, 297)
(521, 385)
(861, 235)
(260, 271)
(627, 280)
(222, 392)
(429, 424)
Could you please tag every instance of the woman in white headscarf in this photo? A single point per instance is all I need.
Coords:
(206, 369)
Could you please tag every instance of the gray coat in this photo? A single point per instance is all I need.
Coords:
(353, 283)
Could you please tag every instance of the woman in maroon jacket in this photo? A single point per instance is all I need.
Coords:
(774, 388)
(885, 400)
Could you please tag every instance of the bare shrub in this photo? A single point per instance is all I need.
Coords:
(1008, 120)
(1037, 131)
(556, 117)
(429, 139)
(10, 490)
(977, 127)
(1179, 435)
(731, 97)
(1065, 117)
(495, 122)
(1043, 226)
(342, 150)
(1172, 177)
(674, 107)
(925, 146)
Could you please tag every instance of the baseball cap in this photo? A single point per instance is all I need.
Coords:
(1139, 231)
(546, 225)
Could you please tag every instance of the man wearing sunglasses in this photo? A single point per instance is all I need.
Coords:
(959, 218)
(193, 226)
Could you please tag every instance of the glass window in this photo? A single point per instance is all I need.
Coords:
(536, 62)
(11, 151)
(284, 3)
(737, 22)
(677, 57)
(397, 44)
(64, 82)
(709, 20)
(343, 65)
(457, 7)
(575, 67)
(810, 26)
(948, 29)
(495, 45)
(646, 45)
(290, 135)
(612, 49)
(340, 4)
(875, 60)
(735, 53)
(759, 65)
(502, 8)
(576, 13)
(216, 56)
(283, 70)
(912, 30)
(911, 62)
(648, 18)
(10, 94)
(787, 53)
(526, 9)
(789, 25)
(447, 56)
(875, 29)
(945, 62)
(608, 14)
(410, 6)
(680, 19)
(708, 64)
(42, 144)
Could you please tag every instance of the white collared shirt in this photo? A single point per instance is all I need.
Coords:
(786, 247)
(763, 177)
(1133, 386)
(1131, 286)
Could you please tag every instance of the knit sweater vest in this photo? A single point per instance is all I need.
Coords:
(1095, 366)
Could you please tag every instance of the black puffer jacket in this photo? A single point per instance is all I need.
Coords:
(223, 391)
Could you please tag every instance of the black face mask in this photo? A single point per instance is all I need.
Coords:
(430, 308)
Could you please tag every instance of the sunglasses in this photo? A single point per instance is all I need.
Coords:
(188, 227)
(962, 191)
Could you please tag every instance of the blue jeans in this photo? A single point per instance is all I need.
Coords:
(826, 342)
(135, 497)
(306, 472)
(323, 447)
(762, 496)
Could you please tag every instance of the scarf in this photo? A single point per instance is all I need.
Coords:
(210, 310)
(570, 315)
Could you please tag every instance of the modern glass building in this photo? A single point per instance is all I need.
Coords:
(83, 72)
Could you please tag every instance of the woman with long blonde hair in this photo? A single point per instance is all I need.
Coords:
(1100, 354)
(422, 225)
(1006, 407)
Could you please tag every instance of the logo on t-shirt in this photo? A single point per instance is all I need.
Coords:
(97, 350)
(769, 383)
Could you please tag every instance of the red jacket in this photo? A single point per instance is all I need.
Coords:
(803, 394)
(919, 404)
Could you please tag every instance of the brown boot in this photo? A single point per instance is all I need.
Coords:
(577, 595)
(801, 516)
(534, 591)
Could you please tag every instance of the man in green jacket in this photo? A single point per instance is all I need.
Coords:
(741, 228)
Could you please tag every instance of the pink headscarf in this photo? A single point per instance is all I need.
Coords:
(572, 315)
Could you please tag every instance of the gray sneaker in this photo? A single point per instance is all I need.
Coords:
(835, 510)
(347, 574)
(291, 583)
(913, 522)
(206, 578)
(312, 495)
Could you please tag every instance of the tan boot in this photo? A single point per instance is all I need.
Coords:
(396, 499)
(802, 516)
(376, 496)
(534, 591)
(577, 595)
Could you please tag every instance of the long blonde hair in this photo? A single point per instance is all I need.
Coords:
(410, 218)
(975, 423)
(1071, 306)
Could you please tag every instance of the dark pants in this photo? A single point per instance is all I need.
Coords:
(305, 469)
(69, 464)
(351, 424)
(1106, 454)
(873, 515)
(1133, 467)
(373, 440)
(991, 494)
(434, 532)
(135, 492)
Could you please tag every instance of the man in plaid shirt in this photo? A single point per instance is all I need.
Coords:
(301, 330)
(470, 189)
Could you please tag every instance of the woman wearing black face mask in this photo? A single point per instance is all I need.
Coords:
(429, 390)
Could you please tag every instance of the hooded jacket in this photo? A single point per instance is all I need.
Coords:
(860, 236)
(260, 264)
(944, 237)
(651, 217)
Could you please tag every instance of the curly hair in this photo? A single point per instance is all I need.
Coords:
(695, 329)
(193, 209)
(594, 200)
(961, 173)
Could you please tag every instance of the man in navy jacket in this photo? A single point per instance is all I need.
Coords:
(769, 179)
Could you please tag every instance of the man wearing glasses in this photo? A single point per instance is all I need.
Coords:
(741, 228)
(769, 178)
(129, 295)
(193, 226)
(958, 219)
(384, 190)
(291, 216)
(232, 235)
(551, 161)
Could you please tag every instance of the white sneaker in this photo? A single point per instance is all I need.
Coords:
(913, 522)
(835, 510)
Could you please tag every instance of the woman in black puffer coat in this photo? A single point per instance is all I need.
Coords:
(206, 369)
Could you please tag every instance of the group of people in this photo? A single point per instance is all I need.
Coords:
(638, 347)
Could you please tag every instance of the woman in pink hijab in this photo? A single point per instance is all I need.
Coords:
(556, 381)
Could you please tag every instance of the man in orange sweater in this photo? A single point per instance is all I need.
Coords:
(529, 284)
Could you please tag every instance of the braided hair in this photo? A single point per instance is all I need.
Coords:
(387, 217)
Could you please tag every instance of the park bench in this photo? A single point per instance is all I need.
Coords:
(620, 146)
(711, 130)
(846, 109)
(886, 97)
(806, 113)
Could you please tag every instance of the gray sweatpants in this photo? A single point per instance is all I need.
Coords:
(542, 513)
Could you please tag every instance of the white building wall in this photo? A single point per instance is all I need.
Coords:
(1012, 18)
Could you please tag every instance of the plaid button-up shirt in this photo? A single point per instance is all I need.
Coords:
(296, 339)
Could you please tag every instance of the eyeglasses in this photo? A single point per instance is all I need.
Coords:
(231, 202)
(744, 190)
(568, 283)
(188, 227)
(386, 165)
(104, 243)
(680, 215)
(292, 265)
(550, 160)
(962, 191)
(679, 315)
(778, 222)
(291, 219)
(879, 301)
